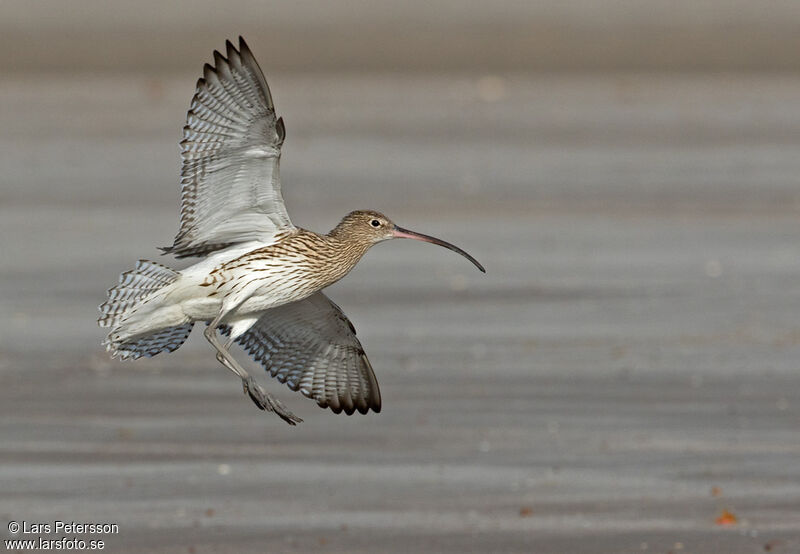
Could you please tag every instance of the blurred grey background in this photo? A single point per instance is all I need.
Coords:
(624, 374)
(445, 35)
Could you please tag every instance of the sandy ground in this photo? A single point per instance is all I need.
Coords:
(625, 371)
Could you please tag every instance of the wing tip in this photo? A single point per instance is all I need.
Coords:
(362, 405)
(220, 61)
(209, 72)
(280, 128)
(244, 49)
(234, 56)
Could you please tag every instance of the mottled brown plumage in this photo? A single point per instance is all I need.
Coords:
(308, 260)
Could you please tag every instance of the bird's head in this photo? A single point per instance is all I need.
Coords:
(370, 227)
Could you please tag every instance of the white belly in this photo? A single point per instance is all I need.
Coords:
(201, 309)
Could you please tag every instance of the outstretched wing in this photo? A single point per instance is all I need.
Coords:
(312, 347)
(231, 149)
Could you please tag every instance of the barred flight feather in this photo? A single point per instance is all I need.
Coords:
(230, 183)
(310, 346)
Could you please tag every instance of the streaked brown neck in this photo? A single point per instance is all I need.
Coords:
(322, 258)
(349, 243)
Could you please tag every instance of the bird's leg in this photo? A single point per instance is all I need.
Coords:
(261, 398)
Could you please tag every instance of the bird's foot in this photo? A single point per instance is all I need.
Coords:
(265, 401)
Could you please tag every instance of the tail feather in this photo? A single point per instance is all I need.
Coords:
(164, 340)
(126, 304)
(133, 288)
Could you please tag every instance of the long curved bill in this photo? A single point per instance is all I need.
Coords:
(401, 233)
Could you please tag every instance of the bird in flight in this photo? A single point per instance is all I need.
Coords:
(259, 279)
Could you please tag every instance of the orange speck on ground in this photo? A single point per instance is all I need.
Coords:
(726, 518)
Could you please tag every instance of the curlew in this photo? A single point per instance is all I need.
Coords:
(260, 278)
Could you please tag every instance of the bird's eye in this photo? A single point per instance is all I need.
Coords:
(375, 223)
